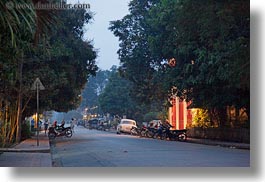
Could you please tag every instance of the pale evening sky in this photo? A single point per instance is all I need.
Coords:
(103, 39)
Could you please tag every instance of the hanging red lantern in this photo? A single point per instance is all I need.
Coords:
(172, 62)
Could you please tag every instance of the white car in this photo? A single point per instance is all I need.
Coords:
(126, 126)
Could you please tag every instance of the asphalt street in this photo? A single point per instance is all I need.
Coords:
(93, 148)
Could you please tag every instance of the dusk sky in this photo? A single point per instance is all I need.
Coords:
(104, 40)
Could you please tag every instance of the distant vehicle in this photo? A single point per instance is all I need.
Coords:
(94, 123)
(80, 123)
(126, 126)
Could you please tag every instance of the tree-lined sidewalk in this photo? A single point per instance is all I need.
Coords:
(46, 44)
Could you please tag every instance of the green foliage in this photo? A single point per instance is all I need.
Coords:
(201, 119)
(151, 116)
(209, 36)
(25, 131)
(94, 87)
(134, 54)
(115, 99)
(30, 48)
(210, 44)
(66, 67)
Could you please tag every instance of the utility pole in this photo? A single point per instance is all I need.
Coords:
(37, 85)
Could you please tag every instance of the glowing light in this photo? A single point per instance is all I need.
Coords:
(172, 62)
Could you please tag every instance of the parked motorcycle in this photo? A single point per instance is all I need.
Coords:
(180, 135)
(135, 131)
(150, 132)
(164, 132)
(141, 131)
(59, 131)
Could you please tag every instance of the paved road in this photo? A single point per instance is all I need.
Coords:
(92, 148)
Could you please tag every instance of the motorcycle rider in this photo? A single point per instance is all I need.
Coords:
(160, 129)
(167, 124)
(163, 125)
(62, 124)
(54, 124)
(58, 128)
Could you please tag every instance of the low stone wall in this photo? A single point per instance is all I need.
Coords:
(226, 134)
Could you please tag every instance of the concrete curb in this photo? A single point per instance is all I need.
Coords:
(41, 150)
(29, 146)
(221, 144)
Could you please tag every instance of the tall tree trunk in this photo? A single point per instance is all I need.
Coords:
(19, 100)
(6, 108)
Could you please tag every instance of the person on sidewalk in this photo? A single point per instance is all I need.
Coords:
(72, 124)
(32, 124)
(46, 125)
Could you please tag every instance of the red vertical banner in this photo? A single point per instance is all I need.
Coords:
(174, 113)
(181, 115)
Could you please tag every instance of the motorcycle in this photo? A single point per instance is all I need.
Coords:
(150, 132)
(59, 131)
(164, 132)
(139, 131)
(161, 133)
(180, 135)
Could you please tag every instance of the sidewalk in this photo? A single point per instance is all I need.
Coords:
(27, 153)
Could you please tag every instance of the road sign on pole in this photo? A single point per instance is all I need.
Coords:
(37, 85)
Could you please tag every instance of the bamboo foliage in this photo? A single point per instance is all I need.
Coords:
(8, 123)
(20, 29)
(32, 43)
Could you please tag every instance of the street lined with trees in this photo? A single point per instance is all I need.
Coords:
(207, 48)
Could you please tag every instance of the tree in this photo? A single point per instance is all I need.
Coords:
(18, 26)
(211, 46)
(66, 66)
(59, 57)
(115, 98)
(209, 43)
(94, 87)
(136, 60)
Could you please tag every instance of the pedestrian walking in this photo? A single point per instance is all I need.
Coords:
(46, 125)
(32, 123)
(72, 124)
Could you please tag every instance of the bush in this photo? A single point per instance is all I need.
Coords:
(201, 119)
(150, 116)
(25, 131)
(154, 116)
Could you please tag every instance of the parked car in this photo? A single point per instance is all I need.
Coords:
(80, 123)
(94, 123)
(126, 126)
